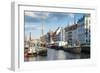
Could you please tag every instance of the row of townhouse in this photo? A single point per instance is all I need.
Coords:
(79, 33)
(71, 35)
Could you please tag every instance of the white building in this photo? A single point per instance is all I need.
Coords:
(84, 29)
(71, 35)
(60, 37)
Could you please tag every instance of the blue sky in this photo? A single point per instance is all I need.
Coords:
(50, 20)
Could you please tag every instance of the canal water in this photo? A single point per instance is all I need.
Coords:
(53, 54)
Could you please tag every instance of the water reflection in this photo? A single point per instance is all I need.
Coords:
(53, 54)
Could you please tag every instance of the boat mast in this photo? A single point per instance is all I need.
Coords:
(30, 36)
(42, 31)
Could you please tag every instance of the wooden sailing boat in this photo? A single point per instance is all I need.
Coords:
(42, 50)
(32, 47)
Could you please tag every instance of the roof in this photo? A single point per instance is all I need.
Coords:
(72, 27)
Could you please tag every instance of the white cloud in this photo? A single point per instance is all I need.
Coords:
(71, 15)
(33, 27)
(27, 26)
(31, 14)
(43, 15)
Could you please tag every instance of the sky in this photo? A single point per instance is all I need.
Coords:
(51, 21)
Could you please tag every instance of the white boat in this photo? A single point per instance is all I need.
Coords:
(26, 46)
(61, 43)
(32, 50)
